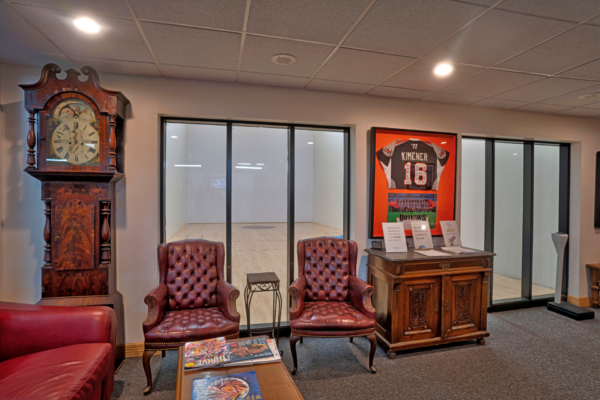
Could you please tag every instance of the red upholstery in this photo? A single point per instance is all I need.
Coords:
(193, 301)
(327, 296)
(51, 352)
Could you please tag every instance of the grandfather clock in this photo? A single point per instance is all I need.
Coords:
(78, 160)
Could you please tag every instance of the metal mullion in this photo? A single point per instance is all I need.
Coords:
(228, 190)
(346, 221)
(291, 200)
(564, 183)
(489, 199)
(527, 254)
(163, 175)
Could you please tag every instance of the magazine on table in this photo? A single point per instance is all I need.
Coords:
(242, 386)
(248, 349)
(206, 353)
(262, 360)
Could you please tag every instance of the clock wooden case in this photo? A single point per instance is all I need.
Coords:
(79, 159)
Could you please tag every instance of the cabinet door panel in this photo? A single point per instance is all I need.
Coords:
(421, 316)
(462, 304)
(73, 240)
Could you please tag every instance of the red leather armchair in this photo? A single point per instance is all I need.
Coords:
(193, 301)
(49, 352)
(328, 300)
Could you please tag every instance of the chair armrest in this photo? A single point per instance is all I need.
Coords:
(157, 304)
(227, 294)
(360, 296)
(298, 293)
(30, 331)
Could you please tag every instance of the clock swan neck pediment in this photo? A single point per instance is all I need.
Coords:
(38, 94)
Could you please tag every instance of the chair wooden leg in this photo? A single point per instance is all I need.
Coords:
(293, 340)
(373, 340)
(146, 360)
(351, 340)
(301, 339)
(164, 353)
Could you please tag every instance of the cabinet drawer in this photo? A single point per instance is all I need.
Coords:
(468, 263)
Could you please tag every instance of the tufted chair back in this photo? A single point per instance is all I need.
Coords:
(191, 270)
(327, 263)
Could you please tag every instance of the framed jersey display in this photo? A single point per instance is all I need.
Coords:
(413, 177)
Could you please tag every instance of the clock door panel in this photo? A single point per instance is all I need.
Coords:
(462, 305)
(421, 312)
(73, 239)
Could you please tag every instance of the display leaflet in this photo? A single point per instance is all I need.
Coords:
(394, 237)
(451, 233)
(421, 235)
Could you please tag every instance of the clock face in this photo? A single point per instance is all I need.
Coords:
(74, 137)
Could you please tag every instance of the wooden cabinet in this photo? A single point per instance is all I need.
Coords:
(425, 301)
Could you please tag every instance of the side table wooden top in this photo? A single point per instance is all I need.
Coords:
(262, 277)
(593, 266)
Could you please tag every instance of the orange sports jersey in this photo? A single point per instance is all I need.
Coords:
(412, 164)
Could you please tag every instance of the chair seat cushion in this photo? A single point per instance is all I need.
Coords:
(331, 316)
(70, 372)
(180, 326)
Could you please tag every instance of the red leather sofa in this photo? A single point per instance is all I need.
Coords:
(56, 352)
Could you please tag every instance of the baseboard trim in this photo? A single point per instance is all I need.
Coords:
(130, 350)
(579, 301)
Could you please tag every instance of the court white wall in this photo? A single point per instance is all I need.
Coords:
(176, 180)
(138, 195)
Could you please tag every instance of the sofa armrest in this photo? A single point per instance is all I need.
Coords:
(360, 296)
(298, 293)
(227, 294)
(157, 304)
(30, 331)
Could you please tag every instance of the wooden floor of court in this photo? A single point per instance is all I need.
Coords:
(265, 250)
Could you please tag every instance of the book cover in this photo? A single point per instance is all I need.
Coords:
(242, 386)
(248, 349)
(274, 358)
(206, 353)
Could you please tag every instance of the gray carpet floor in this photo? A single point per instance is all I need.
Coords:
(531, 354)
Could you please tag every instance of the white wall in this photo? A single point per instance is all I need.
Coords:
(137, 195)
(472, 208)
(176, 179)
(328, 182)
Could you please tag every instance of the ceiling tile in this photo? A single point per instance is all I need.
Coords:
(118, 67)
(205, 74)
(490, 83)
(272, 80)
(344, 87)
(497, 36)
(16, 33)
(420, 76)
(398, 92)
(451, 98)
(13, 56)
(119, 39)
(581, 112)
(361, 66)
(573, 100)
(496, 103)
(543, 108)
(193, 47)
(258, 51)
(545, 89)
(207, 13)
(486, 3)
(595, 21)
(111, 8)
(573, 48)
(579, 10)
(595, 105)
(324, 21)
(410, 27)
(587, 71)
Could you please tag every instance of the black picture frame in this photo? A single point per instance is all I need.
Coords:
(597, 200)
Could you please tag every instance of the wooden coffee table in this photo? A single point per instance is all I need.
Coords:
(273, 378)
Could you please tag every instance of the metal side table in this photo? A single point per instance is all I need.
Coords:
(264, 282)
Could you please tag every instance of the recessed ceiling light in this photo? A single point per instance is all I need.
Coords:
(174, 137)
(283, 59)
(87, 25)
(589, 96)
(311, 143)
(443, 69)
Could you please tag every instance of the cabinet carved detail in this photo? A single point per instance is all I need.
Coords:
(418, 306)
(112, 144)
(463, 304)
(105, 232)
(31, 141)
(74, 236)
(47, 233)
